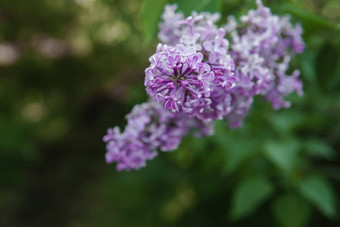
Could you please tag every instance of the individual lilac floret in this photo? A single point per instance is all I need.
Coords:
(150, 128)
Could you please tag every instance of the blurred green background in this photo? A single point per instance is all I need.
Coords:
(69, 69)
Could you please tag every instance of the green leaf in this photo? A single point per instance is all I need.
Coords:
(291, 210)
(237, 151)
(249, 194)
(317, 147)
(307, 60)
(287, 121)
(236, 146)
(282, 154)
(187, 6)
(150, 17)
(318, 191)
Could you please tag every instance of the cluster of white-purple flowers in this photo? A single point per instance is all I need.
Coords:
(201, 73)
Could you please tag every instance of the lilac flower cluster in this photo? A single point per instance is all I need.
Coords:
(262, 46)
(201, 73)
(149, 128)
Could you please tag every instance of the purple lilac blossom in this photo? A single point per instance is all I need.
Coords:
(200, 73)
(262, 46)
(150, 128)
(195, 75)
(169, 32)
(179, 80)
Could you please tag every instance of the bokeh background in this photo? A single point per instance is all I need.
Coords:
(69, 69)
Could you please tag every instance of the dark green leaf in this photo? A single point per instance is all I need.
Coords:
(307, 60)
(318, 191)
(249, 194)
(317, 147)
(291, 210)
(286, 121)
(282, 154)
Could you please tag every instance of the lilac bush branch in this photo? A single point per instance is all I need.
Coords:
(201, 73)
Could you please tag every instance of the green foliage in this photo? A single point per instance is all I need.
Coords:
(282, 154)
(320, 193)
(151, 14)
(187, 6)
(291, 210)
(79, 69)
(326, 63)
(319, 148)
(307, 16)
(249, 195)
